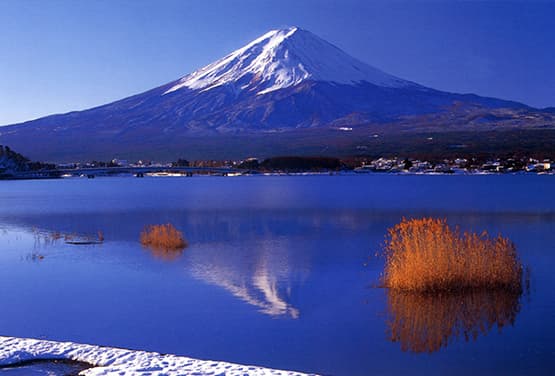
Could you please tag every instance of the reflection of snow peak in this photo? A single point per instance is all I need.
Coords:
(261, 277)
(112, 361)
(262, 291)
(283, 58)
(275, 304)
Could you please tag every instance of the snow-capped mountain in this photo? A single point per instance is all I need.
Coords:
(288, 80)
(284, 58)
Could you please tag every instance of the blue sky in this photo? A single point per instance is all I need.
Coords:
(57, 55)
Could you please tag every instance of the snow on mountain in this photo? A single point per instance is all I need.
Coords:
(283, 58)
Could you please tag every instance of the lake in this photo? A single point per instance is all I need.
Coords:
(280, 271)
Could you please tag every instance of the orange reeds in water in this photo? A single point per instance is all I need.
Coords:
(427, 255)
(165, 237)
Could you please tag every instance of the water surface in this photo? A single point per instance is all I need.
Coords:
(277, 272)
(45, 368)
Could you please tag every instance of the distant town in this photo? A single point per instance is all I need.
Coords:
(325, 164)
(16, 166)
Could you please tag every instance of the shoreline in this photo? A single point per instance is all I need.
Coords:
(116, 361)
(301, 173)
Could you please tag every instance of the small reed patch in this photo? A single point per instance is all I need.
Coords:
(428, 255)
(165, 237)
(49, 238)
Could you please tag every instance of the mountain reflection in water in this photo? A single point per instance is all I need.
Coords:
(425, 322)
(262, 277)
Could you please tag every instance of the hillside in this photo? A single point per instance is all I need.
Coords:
(13, 164)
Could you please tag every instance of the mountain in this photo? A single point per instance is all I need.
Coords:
(288, 91)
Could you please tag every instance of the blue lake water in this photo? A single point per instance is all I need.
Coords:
(277, 272)
(45, 368)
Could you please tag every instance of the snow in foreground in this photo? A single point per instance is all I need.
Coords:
(112, 361)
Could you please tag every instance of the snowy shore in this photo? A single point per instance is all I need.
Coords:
(113, 361)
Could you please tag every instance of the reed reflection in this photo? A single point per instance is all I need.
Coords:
(426, 322)
(165, 254)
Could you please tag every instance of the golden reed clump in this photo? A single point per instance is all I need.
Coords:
(165, 237)
(427, 255)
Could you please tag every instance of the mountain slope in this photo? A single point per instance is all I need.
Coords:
(288, 80)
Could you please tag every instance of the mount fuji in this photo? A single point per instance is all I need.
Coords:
(288, 91)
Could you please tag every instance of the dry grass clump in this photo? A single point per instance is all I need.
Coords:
(165, 237)
(424, 322)
(427, 255)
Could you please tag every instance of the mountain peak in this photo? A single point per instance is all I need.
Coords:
(282, 58)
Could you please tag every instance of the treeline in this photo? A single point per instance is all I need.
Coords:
(103, 164)
(8, 154)
(293, 164)
(16, 161)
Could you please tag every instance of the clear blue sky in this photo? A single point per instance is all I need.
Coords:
(57, 55)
